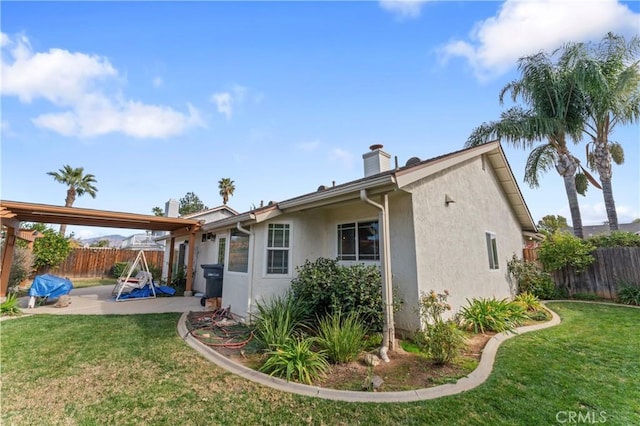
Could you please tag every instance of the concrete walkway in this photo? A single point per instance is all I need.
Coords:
(99, 301)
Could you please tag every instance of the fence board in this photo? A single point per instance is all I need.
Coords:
(96, 262)
(612, 268)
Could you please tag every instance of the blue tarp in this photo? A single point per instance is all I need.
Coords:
(50, 286)
(146, 292)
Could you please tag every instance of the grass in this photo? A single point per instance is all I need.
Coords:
(130, 370)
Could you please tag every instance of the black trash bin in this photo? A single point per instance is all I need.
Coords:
(213, 276)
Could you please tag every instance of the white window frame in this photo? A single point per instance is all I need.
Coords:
(357, 224)
(492, 250)
(268, 249)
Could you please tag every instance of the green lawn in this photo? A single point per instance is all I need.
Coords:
(135, 370)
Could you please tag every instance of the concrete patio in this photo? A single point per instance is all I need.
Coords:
(99, 301)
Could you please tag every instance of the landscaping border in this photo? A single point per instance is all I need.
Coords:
(474, 379)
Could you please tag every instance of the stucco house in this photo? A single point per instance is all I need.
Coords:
(450, 222)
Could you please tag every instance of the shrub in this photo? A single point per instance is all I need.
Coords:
(118, 269)
(295, 360)
(629, 295)
(441, 339)
(50, 250)
(531, 278)
(528, 301)
(616, 239)
(21, 265)
(278, 320)
(563, 249)
(483, 315)
(342, 336)
(325, 287)
(10, 305)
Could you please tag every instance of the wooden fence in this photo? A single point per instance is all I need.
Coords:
(96, 262)
(613, 267)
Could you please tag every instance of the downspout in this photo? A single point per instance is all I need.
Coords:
(253, 247)
(388, 332)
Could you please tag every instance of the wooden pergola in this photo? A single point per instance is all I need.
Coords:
(12, 213)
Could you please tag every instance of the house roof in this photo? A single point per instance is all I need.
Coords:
(15, 211)
(394, 179)
(593, 230)
(211, 210)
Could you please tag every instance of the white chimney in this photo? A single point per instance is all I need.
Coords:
(376, 161)
(171, 208)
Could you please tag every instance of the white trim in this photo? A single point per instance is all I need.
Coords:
(266, 249)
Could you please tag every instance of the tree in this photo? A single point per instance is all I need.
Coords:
(554, 113)
(157, 211)
(610, 83)
(100, 243)
(77, 183)
(550, 224)
(51, 249)
(190, 203)
(226, 187)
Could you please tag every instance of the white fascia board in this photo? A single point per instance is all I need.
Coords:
(414, 174)
(335, 195)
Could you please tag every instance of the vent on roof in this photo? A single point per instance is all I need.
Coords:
(321, 188)
(412, 161)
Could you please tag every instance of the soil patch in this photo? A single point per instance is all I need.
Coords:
(406, 371)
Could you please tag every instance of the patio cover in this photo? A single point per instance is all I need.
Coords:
(14, 212)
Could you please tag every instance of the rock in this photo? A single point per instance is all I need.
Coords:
(372, 383)
(371, 359)
(63, 301)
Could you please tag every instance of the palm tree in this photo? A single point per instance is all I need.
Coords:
(554, 114)
(226, 187)
(609, 80)
(77, 183)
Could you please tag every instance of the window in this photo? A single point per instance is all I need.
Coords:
(492, 249)
(359, 241)
(278, 248)
(222, 245)
(238, 251)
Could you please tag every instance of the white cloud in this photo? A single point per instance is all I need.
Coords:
(223, 103)
(403, 9)
(596, 214)
(227, 101)
(308, 146)
(77, 82)
(157, 81)
(342, 156)
(525, 27)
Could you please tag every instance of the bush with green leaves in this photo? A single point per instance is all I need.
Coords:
(21, 266)
(279, 320)
(51, 249)
(482, 315)
(326, 287)
(295, 360)
(531, 278)
(10, 306)
(118, 269)
(616, 239)
(528, 301)
(563, 249)
(343, 337)
(441, 339)
(629, 295)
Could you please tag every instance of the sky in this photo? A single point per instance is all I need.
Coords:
(158, 99)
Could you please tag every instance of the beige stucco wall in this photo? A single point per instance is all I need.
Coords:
(451, 250)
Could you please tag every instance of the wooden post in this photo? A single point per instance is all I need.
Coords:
(172, 245)
(192, 249)
(7, 258)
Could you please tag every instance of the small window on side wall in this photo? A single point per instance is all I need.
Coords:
(278, 249)
(492, 249)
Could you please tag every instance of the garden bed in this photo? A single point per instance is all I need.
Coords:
(407, 370)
